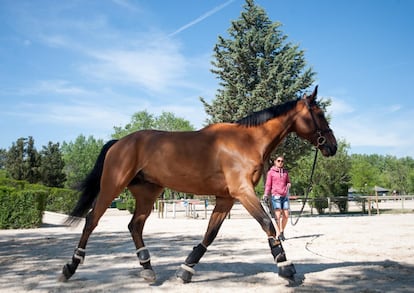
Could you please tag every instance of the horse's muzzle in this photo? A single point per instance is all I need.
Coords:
(328, 150)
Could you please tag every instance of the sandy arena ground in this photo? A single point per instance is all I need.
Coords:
(331, 254)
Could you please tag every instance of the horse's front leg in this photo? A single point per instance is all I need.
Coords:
(221, 210)
(252, 204)
(145, 195)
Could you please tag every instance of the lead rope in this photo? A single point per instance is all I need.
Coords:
(308, 190)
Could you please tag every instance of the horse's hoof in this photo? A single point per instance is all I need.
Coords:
(148, 275)
(66, 274)
(185, 273)
(286, 269)
(62, 278)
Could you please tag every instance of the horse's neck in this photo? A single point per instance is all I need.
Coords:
(275, 130)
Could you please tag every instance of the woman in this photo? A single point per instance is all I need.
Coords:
(277, 190)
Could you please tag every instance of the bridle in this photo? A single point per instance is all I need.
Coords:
(321, 139)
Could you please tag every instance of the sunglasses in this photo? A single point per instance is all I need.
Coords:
(279, 161)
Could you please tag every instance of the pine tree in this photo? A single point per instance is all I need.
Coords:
(3, 158)
(32, 162)
(257, 68)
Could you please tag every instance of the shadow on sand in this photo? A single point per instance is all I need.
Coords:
(44, 255)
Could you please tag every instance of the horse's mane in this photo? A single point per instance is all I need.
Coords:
(260, 117)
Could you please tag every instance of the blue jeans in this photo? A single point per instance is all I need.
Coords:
(280, 202)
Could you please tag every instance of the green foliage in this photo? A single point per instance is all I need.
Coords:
(16, 184)
(3, 158)
(341, 203)
(23, 162)
(331, 176)
(259, 188)
(364, 175)
(21, 208)
(51, 169)
(79, 158)
(320, 203)
(22, 204)
(398, 174)
(61, 200)
(143, 120)
(169, 122)
(139, 121)
(258, 68)
(15, 160)
(386, 171)
(32, 162)
(126, 202)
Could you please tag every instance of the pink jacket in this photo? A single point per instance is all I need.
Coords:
(276, 181)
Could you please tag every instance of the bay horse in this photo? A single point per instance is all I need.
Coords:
(222, 159)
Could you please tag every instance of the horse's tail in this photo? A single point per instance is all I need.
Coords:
(89, 187)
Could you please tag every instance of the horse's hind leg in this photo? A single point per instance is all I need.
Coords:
(145, 195)
(221, 210)
(91, 221)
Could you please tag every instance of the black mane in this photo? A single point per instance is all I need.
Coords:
(260, 117)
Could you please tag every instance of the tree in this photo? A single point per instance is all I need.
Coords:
(386, 171)
(394, 172)
(410, 185)
(23, 160)
(331, 176)
(363, 176)
(3, 158)
(32, 162)
(168, 121)
(258, 68)
(139, 120)
(330, 179)
(52, 166)
(15, 160)
(79, 158)
(143, 120)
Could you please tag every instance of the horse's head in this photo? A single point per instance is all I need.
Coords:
(312, 125)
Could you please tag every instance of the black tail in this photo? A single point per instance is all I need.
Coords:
(89, 187)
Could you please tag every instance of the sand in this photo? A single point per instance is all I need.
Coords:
(331, 254)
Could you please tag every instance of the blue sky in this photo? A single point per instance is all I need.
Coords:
(82, 67)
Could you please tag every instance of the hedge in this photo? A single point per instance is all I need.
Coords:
(22, 204)
(21, 208)
(61, 200)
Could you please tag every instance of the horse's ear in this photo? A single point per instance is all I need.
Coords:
(312, 97)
